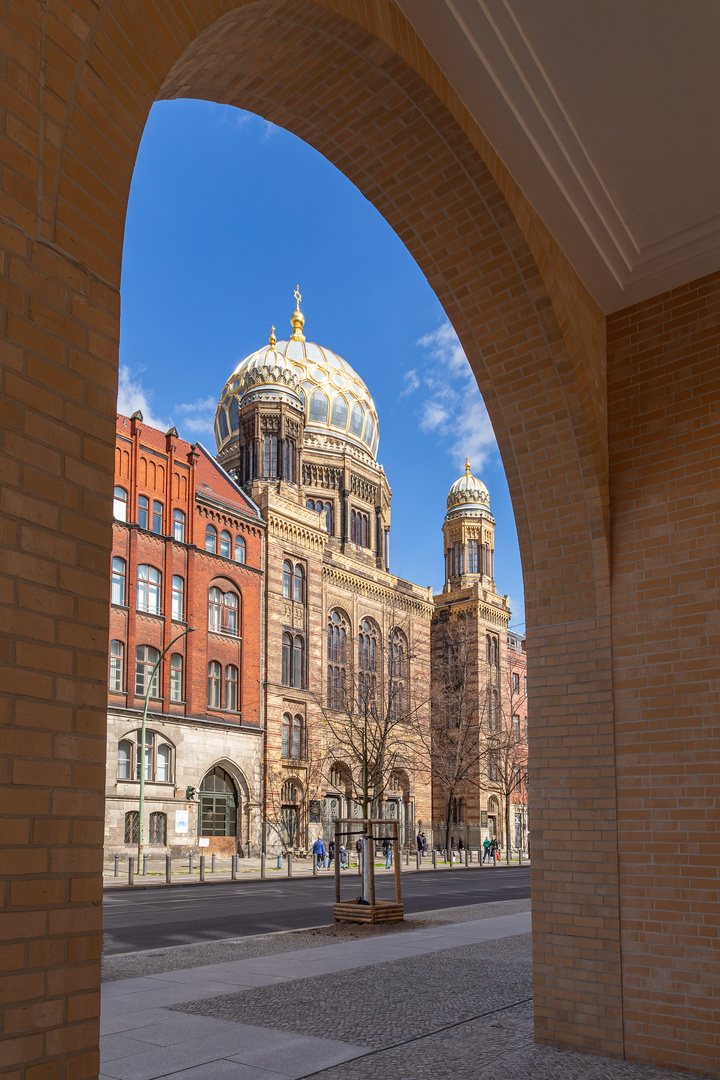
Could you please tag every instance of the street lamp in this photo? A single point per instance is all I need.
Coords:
(188, 630)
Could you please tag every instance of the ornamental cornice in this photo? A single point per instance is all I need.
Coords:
(295, 533)
(353, 583)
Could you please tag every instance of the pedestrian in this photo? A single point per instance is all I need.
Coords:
(319, 852)
(486, 849)
(494, 849)
(461, 848)
(387, 852)
(331, 853)
(343, 856)
(452, 849)
(424, 843)
(419, 842)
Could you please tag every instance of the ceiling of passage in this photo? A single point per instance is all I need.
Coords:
(607, 114)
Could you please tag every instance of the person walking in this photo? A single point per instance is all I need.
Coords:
(486, 849)
(331, 853)
(343, 856)
(319, 852)
(494, 849)
(387, 852)
(424, 843)
(419, 842)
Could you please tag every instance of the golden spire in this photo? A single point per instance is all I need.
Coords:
(297, 319)
(467, 466)
(272, 338)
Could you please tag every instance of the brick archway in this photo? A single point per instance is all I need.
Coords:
(352, 80)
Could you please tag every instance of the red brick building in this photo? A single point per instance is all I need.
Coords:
(187, 553)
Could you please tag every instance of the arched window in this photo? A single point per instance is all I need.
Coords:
(231, 688)
(359, 528)
(286, 735)
(297, 738)
(125, 758)
(176, 677)
(398, 674)
(211, 539)
(218, 805)
(288, 456)
(286, 659)
(225, 544)
(162, 764)
(299, 584)
(118, 581)
(367, 659)
(213, 684)
(339, 412)
(145, 660)
(287, 579)
(230, 614)
(493, 650)
(291, 799)
(318, 408)
(337, 631)
(132, 827)
(143, 511)
(357, 421)
(473, 557)
(215, 603)
(120, 501)
(328, 508)
(158, 828)
(178, 597)
(270, 461)
(369, 431)
(148, 589)
(239, 549)
(179, 525)
(117, 650)
(298, 670)
(157, 516)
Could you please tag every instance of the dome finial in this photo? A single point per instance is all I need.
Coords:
(272, 339)
(297, 319)
(467, 466)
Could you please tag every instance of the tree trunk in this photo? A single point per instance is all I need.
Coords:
(507, 829)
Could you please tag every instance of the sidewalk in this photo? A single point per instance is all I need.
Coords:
(249, 870)
(449, 997)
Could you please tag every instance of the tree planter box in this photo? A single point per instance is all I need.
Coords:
(380, 911)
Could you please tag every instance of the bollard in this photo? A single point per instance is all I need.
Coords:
(233, 868)
(289, 855)
(144, 869)
(262, 864)
(202, 867)
(434, 859)
(519, 856)
(131, 870)
(190, 863)
(212, 863)
(117, 866)
(280, 861)
(418, 860)
(467, 857)
(407, 858)
(314, 860)
(168, 870)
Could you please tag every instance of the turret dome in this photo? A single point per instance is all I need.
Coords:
(332, 395)
(468, 495)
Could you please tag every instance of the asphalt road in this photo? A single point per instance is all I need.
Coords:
(154, 918)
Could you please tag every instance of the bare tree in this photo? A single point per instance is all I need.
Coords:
(456, 754)
(504, 742)
(288, 797)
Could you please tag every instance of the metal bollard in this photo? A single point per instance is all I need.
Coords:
(407, 858)
(131, 870)
(434, 859)
(144, 869)
(467, 856)
(519, 856)
(202, 867)
(314, 861)
(262, 864)
(280, 861)
(117, 866)
(418, 860)
(190, 863)
(233, 868)
(212, 864)
(289, 855)
(168, 870)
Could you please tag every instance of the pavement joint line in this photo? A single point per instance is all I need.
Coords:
(426, 1035)
(162, 949)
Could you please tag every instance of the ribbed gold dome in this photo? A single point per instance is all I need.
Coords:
(468, 494)
(333, 396)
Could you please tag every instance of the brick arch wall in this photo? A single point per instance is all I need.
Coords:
(82, 83)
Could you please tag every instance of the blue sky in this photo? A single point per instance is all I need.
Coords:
(227, 214)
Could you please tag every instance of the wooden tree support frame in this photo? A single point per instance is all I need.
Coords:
(377, 910)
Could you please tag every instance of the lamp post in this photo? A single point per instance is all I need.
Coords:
(188, 630)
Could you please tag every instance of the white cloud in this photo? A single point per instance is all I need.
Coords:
(132, 395)
(198, 419)
(454, 410)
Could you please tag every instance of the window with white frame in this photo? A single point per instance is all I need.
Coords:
(179, 525)
(118, 580)
(225, 544)
(211, 539)
(146, 657)
(178, 597)
(239, 549)
(176, 677)
(120, 501)
(149, 583)
(117, 656)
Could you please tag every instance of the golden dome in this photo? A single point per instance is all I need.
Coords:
(332, 395)
(468, 495)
